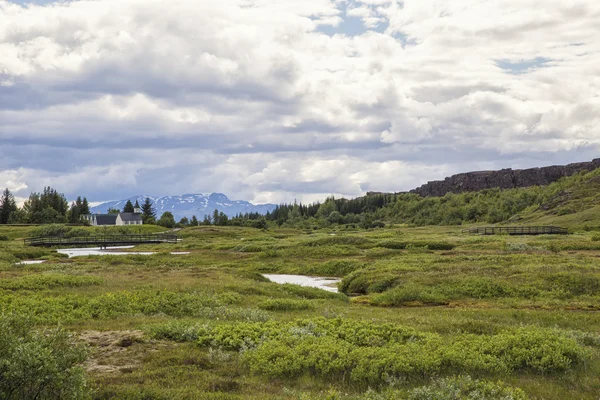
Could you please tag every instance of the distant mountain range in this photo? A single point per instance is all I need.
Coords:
(188, 205)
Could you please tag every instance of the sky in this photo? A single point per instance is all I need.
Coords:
(271, 100)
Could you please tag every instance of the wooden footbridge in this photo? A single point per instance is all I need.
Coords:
(517, 230)
(101, 241)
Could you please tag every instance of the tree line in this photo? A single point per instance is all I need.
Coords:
(47, 207)
(51, 207)
(370, 211)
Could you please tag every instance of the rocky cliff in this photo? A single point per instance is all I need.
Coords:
(503, 179)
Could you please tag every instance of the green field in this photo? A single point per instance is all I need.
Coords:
(424, 313)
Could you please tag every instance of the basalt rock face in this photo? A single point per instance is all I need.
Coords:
(503, 179)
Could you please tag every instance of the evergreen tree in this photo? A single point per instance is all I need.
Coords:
(128, 207)
(215, 218)
(113, 210)
(85, 207)
(167, 220)
(223, 219)
(194, 221)
(73, 213)
(7, 206)
(184, 221)
(47, 207)
(207, 220)
(148, 212)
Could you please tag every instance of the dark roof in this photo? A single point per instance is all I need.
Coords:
(106, 219)
(131, 217)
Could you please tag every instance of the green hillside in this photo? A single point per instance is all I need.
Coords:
(571, 202)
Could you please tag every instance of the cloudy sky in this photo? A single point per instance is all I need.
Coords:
(271, 100)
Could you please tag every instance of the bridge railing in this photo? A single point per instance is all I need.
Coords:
(103, 239)
(517, 230)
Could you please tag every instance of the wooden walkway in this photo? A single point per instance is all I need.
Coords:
(101, 241)
(517, 230)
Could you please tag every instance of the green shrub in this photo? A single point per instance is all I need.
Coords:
(370, 354)
(43, 365)
(45, 308)
(285, 305)
(409, 294)
(463, 387)
(419, 245)
(48, 281)
(3, 238)
(357, 241)
(249, 248)
(566, 211)
(365, 281)
(480, 288)
(26, 253)
(78, 232)
(310, 292)
(573, 284)
(51, 230)
(335, 268)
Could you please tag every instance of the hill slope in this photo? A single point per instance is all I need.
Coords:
(573, 202)
(503, 179)
(188, 205)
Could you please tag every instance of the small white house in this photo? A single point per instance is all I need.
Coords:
(101, 219)
(129, 219)
(134, 218)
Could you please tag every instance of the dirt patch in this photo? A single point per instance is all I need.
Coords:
(113, 351)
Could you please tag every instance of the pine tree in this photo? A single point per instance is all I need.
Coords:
(148, 212)
(128, 207)
(74, 212)
(184, 221)
(215, 218)
(85, 207)
(194, 221)
(47, 207)
(7, 206)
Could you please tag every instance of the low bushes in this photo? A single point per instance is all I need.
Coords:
(285, 305)
(41, 365)
(416, 245)
(371, 281)
(356, 241)
(310, 292)
(335, 268)
(45, 309)
(463, 387)
(368, 353)
(291, 356)
(409, 295)
(48, 281)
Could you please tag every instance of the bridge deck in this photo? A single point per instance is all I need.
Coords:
(518, 230)
(101, 241)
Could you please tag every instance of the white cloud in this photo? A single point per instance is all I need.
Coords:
(249, 98)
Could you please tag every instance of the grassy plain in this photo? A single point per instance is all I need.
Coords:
(419, 305)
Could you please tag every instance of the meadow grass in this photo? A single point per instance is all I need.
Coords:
(422, 311)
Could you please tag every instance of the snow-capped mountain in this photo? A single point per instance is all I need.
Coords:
(188, 205)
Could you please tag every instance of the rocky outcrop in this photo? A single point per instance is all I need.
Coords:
(503, 179)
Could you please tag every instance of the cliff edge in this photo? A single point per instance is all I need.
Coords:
(503, 179)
